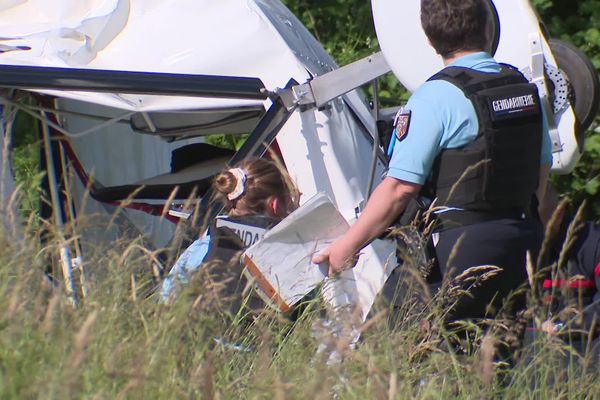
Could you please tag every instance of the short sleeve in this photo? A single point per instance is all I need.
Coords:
(441, 117)
(413, 156)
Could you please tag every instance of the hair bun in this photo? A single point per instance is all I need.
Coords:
(225, 183)
(234, 185)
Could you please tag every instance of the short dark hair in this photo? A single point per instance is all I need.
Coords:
(454, 25)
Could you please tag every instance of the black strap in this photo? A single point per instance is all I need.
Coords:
(457, 218)
(462, 77)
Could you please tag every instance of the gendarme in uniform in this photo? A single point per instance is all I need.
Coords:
(441, 118)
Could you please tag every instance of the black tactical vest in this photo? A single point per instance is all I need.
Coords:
(499, 170)
(229, 237)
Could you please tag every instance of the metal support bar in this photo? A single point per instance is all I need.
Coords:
(149, 122)
(65, 258)
(322, 89)
(256, 145)
(30, 110)
(374, 155)
(77, 263)
(97, 80)
(538, 77)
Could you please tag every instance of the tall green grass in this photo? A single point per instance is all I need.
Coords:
(120, 343)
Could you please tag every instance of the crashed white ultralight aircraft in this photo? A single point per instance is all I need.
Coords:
(128, 89)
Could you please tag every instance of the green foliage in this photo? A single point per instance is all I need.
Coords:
(26, 128)
(344, 27)
(25, 163)
(346, 31)
(578, 22)
(584, 182)
(233, 142)
(28, 176)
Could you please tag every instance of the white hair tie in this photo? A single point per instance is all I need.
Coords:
(240, 183)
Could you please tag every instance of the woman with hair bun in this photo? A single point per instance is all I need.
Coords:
(257, 194)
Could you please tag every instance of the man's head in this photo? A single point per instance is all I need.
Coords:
(454, 25)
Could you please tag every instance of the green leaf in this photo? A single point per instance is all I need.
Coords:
(592, 186)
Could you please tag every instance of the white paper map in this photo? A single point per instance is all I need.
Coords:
(281, 266)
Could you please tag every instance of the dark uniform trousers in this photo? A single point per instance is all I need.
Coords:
(503, 243)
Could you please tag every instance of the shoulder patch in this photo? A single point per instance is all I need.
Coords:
(401, 123)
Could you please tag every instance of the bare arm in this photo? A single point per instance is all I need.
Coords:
(387, 202)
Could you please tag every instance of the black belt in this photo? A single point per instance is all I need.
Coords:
(457, 218)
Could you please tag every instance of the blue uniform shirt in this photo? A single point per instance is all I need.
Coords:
(443, 118)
